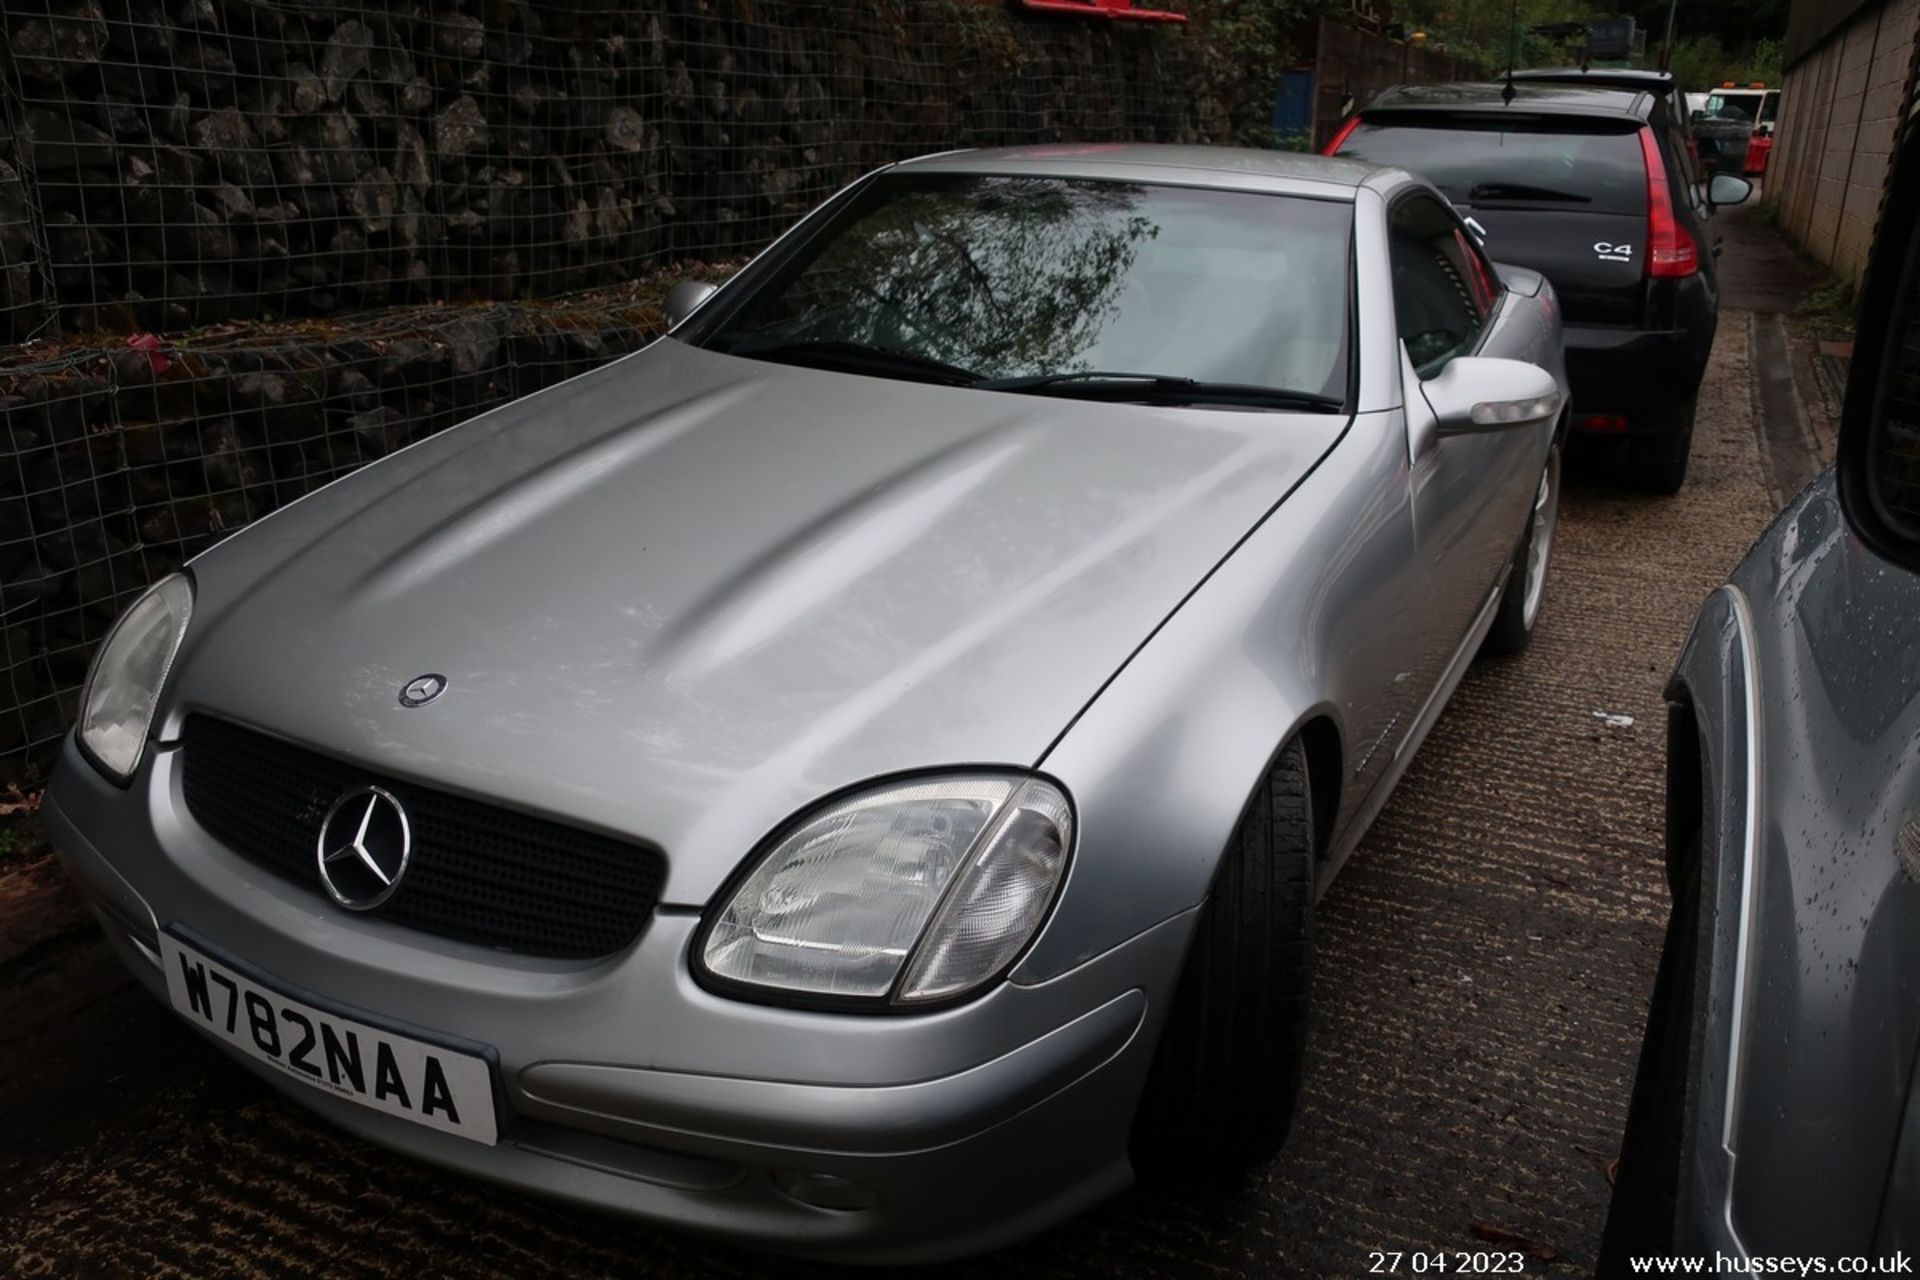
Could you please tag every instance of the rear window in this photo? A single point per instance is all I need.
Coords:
(1539, 167)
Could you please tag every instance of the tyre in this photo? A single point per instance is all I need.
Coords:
(1226, 1075)
(1657, 461)
(1526, 588)
(1653, 1155)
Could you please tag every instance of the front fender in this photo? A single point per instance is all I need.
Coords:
(1283, 632)
(1811, 1019)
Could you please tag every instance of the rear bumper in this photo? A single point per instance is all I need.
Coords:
(1636, 374)
(960, 1131)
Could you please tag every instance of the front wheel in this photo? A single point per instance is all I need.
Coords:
(1526, 588)
(1227, 1072)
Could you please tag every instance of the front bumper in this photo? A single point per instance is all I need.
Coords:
(629, 1088)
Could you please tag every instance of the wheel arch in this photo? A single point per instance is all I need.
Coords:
(1687, 783)
(1320, 737)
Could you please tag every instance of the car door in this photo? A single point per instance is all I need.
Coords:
(1470, 492)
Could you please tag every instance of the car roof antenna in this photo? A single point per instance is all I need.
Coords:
(1508, 94)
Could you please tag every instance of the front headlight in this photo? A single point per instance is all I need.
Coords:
(116, 709)
(907, 894)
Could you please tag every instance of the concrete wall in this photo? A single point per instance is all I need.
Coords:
(1840, 109)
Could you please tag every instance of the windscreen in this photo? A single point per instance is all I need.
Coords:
(1540, 165)
(1741, 107)
(1013, 276)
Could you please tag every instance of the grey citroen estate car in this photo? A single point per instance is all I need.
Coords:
(1776, 1111)
(854, 776)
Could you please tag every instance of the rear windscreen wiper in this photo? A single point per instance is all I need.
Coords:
(853, 357)
(1159, 388)
(1522, 191)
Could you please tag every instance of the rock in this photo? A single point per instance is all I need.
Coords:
(232, 203)
(196, 14)
(374, 198)
(415, 96)
(205, 66)
(455, 35)
(63, 44)
(410, 158)
(383, 429)
(348, 54)
(224, 132)
(307, 93)
(260, 390)
(341, 154)
(370, 101)
(171, 118)
(353, 386)
(226, 136)
(58, 140)
(229, 464)
(625, 130)
(461, 129)
(208, 239)
(471, 342)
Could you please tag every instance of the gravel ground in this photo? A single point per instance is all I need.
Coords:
(1485, 968)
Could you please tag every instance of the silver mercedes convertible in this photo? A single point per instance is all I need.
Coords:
(853, 777)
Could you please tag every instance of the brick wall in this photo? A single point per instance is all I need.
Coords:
(1840, 108)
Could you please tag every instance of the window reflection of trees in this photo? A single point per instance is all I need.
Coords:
(1005, 276)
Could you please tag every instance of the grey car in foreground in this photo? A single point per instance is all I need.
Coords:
(1776, 1111)
(854, 776)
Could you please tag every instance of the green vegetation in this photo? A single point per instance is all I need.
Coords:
(1829, 309)
(1714, 40)
(1701, 62)
(21, 837)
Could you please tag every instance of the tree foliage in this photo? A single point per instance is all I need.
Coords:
(1714, 40)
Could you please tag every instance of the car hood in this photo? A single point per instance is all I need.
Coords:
(684, 596)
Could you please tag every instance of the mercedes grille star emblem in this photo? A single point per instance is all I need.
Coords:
(421, 690)
(365, 843)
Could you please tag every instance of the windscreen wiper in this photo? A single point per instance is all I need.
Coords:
(1161, 388)
(1522, 191)
(853, 357)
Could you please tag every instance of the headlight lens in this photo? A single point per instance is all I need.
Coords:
(124, 686)
(913, 892)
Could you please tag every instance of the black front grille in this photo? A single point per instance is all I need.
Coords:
(479, 873)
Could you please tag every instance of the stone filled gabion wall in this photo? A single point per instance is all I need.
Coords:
(246, 246)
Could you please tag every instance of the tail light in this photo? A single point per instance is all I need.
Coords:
(1333, 144)
(1670, 250)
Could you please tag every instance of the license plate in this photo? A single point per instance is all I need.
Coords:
(430, 1084)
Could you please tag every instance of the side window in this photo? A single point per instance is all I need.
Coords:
(1443, 290)
(1682, 175)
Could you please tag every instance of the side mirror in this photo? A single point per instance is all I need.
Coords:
(685, 298)
(1727, 188)
(1479, 393)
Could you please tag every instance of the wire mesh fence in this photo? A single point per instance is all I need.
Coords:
(248, 245)
(121, 463)
(205, 161)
